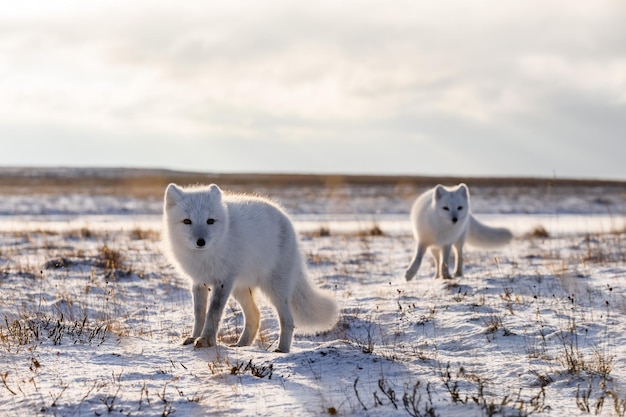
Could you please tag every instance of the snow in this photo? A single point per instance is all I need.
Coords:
(92, 316)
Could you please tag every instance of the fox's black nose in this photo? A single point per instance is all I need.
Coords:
(454, 220)
(200, 242)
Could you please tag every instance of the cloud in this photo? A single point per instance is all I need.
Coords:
(513, 77)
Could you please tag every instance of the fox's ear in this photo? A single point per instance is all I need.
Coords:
(215, 191)
(463, 190)
(173, 194)
(439, 192)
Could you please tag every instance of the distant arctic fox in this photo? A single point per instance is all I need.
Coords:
(441, 218)
(228, 243)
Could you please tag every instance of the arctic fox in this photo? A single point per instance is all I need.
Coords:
(441, 219)
(230, 243)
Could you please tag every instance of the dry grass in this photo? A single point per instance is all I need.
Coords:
(539, 232)
(144, 234)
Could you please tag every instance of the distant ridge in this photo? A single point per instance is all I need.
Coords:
(92, 172)
(21, 175)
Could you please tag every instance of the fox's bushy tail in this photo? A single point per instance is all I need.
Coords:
(484, 236)
(313, 310)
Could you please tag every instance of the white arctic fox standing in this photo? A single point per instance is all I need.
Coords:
(441, 219)
(229, 243)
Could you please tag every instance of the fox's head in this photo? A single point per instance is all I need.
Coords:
(195, 217)
(452, 204)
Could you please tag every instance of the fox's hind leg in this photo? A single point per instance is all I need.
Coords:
(286, 326)
(416, 262)
(280, 300)
(251, 316)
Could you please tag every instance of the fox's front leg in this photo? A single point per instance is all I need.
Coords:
(445, 257)
(435, 251)
(219, 297)
(458, 270)
(199, 293)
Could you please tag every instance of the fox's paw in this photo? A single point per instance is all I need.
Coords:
(408, 275)
(189, 341)
(442, 276)
(445, 274)
(240, 344)
(203, 342)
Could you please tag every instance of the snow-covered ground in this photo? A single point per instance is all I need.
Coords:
(92, 316)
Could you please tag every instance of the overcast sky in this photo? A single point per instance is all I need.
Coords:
(469, 88)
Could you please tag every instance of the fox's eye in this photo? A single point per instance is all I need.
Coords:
(187, 221)
(210, 221)
(446, 208)
(459, 208)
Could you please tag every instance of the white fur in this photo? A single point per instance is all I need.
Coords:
(441, 219)
(250, 244)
